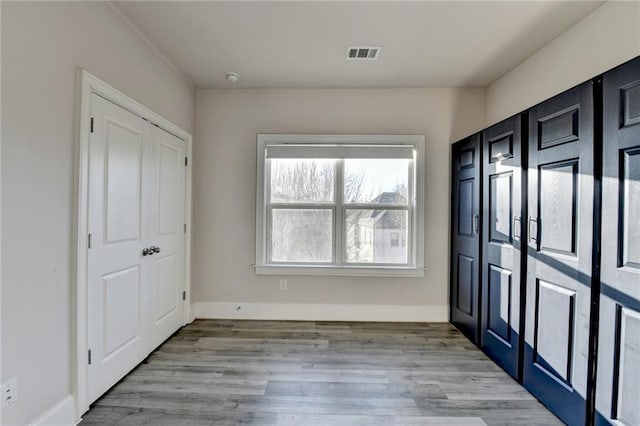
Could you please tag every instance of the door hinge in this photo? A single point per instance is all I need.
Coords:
(91, 124)
(184, 295)
(186, 161)
(89, 241)
(185, 228)
(89, 356)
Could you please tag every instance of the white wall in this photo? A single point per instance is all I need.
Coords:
(604, 39)
(227, 122)
(42, 44)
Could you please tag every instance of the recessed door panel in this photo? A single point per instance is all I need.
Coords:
(123, 179)
(630, 101)
(466, 207)
(554, 330)
(618, 373)
(167, 286)
(558, 200)
(170, 204)
(466, 284)
(121, 319)
(499, 306)
(630, 207)
(465, 241)
(466, 158)
(501, 147)
(501, 207)
(628, 374)
(559, 127)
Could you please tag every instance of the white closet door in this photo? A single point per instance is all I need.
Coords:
(167, 235)
(118, 293)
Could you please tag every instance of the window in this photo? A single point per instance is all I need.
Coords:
(340, 205)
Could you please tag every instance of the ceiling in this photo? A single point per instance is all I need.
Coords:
(303, 44)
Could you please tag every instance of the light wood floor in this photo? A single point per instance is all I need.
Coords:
(317, 373)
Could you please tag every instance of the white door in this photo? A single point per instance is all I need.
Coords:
(118, 298)
(136, 260)
(167, 235)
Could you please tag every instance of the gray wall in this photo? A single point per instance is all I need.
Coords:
(607, 37)
(225, 185)
(42, 45)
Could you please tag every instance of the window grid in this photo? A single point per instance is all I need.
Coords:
(338, 208)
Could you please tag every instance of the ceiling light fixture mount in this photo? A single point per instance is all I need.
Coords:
(232, 77)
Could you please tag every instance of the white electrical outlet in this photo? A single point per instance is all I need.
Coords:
(283, 284)
(9, 392)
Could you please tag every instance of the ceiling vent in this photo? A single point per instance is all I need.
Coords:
(363, 53)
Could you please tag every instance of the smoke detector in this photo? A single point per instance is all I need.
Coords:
(363, 53)
(232, 77)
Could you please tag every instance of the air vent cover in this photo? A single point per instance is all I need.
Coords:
(363, 53)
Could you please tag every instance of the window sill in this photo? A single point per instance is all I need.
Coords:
(341, 271)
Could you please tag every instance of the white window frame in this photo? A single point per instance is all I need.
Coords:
(415, 266)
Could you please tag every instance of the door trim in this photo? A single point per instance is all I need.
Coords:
(88, 84)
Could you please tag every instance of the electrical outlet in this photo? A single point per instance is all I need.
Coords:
(9, 392)
(283, 284)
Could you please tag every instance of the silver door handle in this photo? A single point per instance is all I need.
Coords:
(516, 228)
(533, 233)
(475, 223)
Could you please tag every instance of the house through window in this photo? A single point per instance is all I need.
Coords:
(342, 203)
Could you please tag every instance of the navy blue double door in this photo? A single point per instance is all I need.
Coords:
(537, 249)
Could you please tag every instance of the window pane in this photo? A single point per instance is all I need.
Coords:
(302, 180)
(303, 235)
(376, 236)
(376, 181)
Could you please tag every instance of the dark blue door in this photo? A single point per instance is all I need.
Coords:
(560, 244)
(465, 239)
(501, 230)
(618, 379)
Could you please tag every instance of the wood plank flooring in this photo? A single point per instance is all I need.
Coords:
(223, 372)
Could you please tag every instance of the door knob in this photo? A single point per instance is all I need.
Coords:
(154, 249)
(147, 251)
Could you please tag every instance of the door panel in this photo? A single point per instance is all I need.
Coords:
(630, 203)
(501, 207)
(466, 268)
(554, 322)
(560, 198)
(465, 238)
(117, 302)
(628, 357)
(122, 181)
(499, 304)
(618, 392)
(167, 233)
(501, 259)
(121, 292)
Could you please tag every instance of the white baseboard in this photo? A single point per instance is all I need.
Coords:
(61, 414)
(321, 312)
